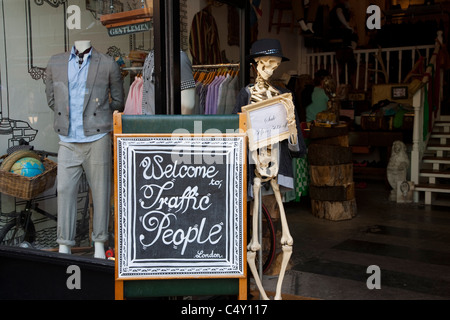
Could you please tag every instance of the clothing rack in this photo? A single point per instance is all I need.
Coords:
(216, 66)
(202, 66)
(217, 86)
(132, 68)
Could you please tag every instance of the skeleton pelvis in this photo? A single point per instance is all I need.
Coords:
(266, 161)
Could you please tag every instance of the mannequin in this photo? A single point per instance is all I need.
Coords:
(299, 7)
(187, 101)
(81, 46)
(84, 130)
(187, 85)
(340, 23)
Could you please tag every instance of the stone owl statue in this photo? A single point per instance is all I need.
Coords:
(397, 168)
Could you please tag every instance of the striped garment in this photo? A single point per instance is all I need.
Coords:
(204, 43)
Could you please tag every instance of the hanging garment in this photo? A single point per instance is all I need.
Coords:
(148, 74)
(204, 43)
(232, 93)
(213, 91)
(198, 89)
(216, 89)
(222, 96)
(133, 104)
(301, 180)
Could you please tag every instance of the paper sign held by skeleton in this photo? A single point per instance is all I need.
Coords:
(269, 121)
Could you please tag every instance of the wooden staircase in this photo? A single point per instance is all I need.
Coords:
(435, 172)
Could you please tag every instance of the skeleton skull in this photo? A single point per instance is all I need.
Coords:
(266, 66)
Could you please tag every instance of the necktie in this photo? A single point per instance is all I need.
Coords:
(81, 55)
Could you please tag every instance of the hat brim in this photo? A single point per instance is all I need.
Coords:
(253, 56)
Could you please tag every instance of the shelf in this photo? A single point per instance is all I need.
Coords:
(127, 17)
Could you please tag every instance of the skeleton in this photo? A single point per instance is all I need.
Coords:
(266, 162)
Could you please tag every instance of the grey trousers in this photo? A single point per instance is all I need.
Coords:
(95, 159)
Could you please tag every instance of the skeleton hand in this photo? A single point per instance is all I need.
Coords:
(292, 132)
(291, 122)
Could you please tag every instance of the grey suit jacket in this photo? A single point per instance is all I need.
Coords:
(104, 83)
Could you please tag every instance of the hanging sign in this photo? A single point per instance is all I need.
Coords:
(127, 22)
(130, 28)
(180, 206)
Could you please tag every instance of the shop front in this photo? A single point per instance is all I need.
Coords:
(156, 52)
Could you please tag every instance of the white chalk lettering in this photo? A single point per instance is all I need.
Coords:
(188, 200)
(158, 227)
(153, 169)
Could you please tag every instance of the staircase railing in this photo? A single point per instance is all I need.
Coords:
(420, 136)
(371, 64)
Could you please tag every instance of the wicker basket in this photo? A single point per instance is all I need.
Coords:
(28, 187)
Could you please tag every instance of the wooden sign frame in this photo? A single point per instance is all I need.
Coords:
(267, 121)
(138, 206)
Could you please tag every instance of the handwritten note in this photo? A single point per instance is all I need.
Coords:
(267, 122)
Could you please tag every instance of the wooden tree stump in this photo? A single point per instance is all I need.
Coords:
(337, 193)
(334, 210)
(332, 175)
(324, 155)
(332, 190)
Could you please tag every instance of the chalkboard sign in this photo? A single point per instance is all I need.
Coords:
(180, 206)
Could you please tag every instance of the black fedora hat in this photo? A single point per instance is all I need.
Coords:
(267, 47)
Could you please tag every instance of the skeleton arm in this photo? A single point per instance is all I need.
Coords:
(296, 143)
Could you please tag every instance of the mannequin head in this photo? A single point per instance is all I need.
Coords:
(82, 45)
(266, 66)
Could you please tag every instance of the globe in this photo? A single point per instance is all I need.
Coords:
(28, 167)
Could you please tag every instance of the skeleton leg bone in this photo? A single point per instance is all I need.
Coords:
(254, 246)
(286, 239)
(287, 252)
(251, 260)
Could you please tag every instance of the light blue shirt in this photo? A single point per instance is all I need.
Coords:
(77, 91)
